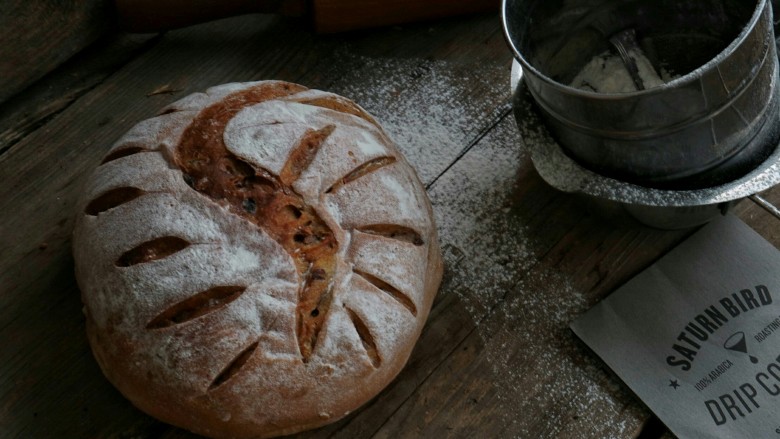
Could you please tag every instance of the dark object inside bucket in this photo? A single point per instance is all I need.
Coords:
(713, 124)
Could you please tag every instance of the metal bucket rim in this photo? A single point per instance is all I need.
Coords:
(688, 78)
(549, 159)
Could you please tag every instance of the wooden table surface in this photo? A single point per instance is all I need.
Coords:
(496, 358)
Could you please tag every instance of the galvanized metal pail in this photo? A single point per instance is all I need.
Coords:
(711, 125)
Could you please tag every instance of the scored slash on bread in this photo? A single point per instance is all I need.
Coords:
(343, 238)
(267, 200)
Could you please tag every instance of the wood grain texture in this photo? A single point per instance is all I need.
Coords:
(39, 35)
(496, 358)
(33, 107)
(759, 219)
(535, 262)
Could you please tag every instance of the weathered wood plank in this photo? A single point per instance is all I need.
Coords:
(594, 258)
(434, 88)
(654, 429)
(534, 260)
(39, 35)
(31, 108)
(518, 190)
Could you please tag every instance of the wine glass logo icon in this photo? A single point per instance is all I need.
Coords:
(737, 343)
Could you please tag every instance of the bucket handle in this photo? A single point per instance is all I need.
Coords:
(766, 205)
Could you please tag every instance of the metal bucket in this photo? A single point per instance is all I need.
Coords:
(711, 125)
(619, 200)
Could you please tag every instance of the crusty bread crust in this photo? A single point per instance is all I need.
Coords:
(257, 260)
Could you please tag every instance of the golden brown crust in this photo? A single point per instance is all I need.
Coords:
(266, 200)
(256, 261)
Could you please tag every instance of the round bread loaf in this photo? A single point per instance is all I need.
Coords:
(257, 260)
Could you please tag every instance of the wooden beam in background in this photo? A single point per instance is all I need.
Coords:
(39, 35)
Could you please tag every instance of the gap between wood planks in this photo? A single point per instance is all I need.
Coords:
(505, 110)
(471, 333)
(33, 107)
(653, 428)
(486, 315)
(39, 35)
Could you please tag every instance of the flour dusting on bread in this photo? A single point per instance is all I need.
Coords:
(257, 260)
